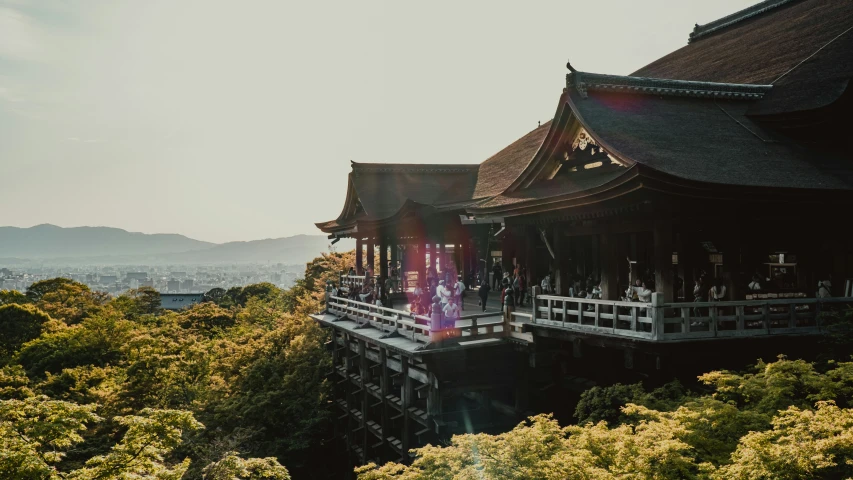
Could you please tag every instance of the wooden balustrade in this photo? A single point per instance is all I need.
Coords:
(658, 321)
(418, 328)
(344, 281)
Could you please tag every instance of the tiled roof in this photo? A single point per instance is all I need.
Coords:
(709, 140)
(758, 49)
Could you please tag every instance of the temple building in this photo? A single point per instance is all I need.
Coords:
(726, 161)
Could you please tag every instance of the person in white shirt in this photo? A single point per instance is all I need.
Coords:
(824, 288)
(546, 284)
(755, 284)
(444, 292)
(459, 290)
(717, 293)
(644, 294)
(451, 312)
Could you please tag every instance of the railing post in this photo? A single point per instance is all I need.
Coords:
(740, 322)
(475, 329)
(713, 322)
(657, 316)
(534, 293)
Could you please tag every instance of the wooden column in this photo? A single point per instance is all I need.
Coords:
(394, 253)
(384, 388)
(406, 400)
(359, 258)
(559, 273)
(607, 246)
(364, 373)
(663, 258)
(422, 264)
(383, 259)
(370, 251)
(442, 255)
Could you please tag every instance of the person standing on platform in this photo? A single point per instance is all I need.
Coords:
(497, 276)
(443, 292)
(484, 293)
(459, 291)
(824, 288)
(522, 286)
(451, 313)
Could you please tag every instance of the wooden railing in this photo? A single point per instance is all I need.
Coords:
(346, 280)
(418, 328)
(657, 321)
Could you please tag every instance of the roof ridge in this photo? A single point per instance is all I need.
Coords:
(700, 31)
(414, 167)
(584, 81)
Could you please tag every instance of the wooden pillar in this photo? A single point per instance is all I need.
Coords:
(607, 246)
(364, 372)
(663, 258)
(394, 254)
(359, 259)
(442, 255)
(384, 388)
(406, 400)
(370, 250)
(422, 263)
(559, 280)
(383, 259)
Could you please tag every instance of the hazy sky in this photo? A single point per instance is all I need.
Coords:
(237, 120)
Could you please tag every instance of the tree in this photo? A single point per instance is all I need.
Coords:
(263, 290)
(18, 325)
(35, 434)
(802, 444)
(149, 437)
(13, 296)
(143, 301)
(38, 289)
(214, 295)
(232, 467)
(71, 302)
(206, 317)
(95, 341)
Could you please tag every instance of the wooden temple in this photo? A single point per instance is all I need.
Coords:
(727, 160)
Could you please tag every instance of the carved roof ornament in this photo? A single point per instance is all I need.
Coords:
(584, 153)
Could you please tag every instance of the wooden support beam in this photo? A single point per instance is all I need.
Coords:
(383, 259)
(359, 259)
(407, 402)
(370, 254)
(663, 259)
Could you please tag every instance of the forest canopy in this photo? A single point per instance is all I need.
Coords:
(94, 387)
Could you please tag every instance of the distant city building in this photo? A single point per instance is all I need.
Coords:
(187, 285)
(173, 286)
(137, 276)
(177, 301)
(108, 279)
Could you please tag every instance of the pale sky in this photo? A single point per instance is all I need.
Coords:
(238, 120)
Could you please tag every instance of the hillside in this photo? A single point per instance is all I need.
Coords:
(49, 241)
(102, 245)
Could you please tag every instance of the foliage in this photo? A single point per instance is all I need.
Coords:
(232, 467)
(18, 325)
(802, 444)
(13, 296)
(70, 301)
(36, 432)
(37, 290)
(777, 420)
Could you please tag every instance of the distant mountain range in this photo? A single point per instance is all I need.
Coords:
(104, 245)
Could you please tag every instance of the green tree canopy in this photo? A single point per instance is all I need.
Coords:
(19, 324)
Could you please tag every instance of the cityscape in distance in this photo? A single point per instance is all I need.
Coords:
(115, 260)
